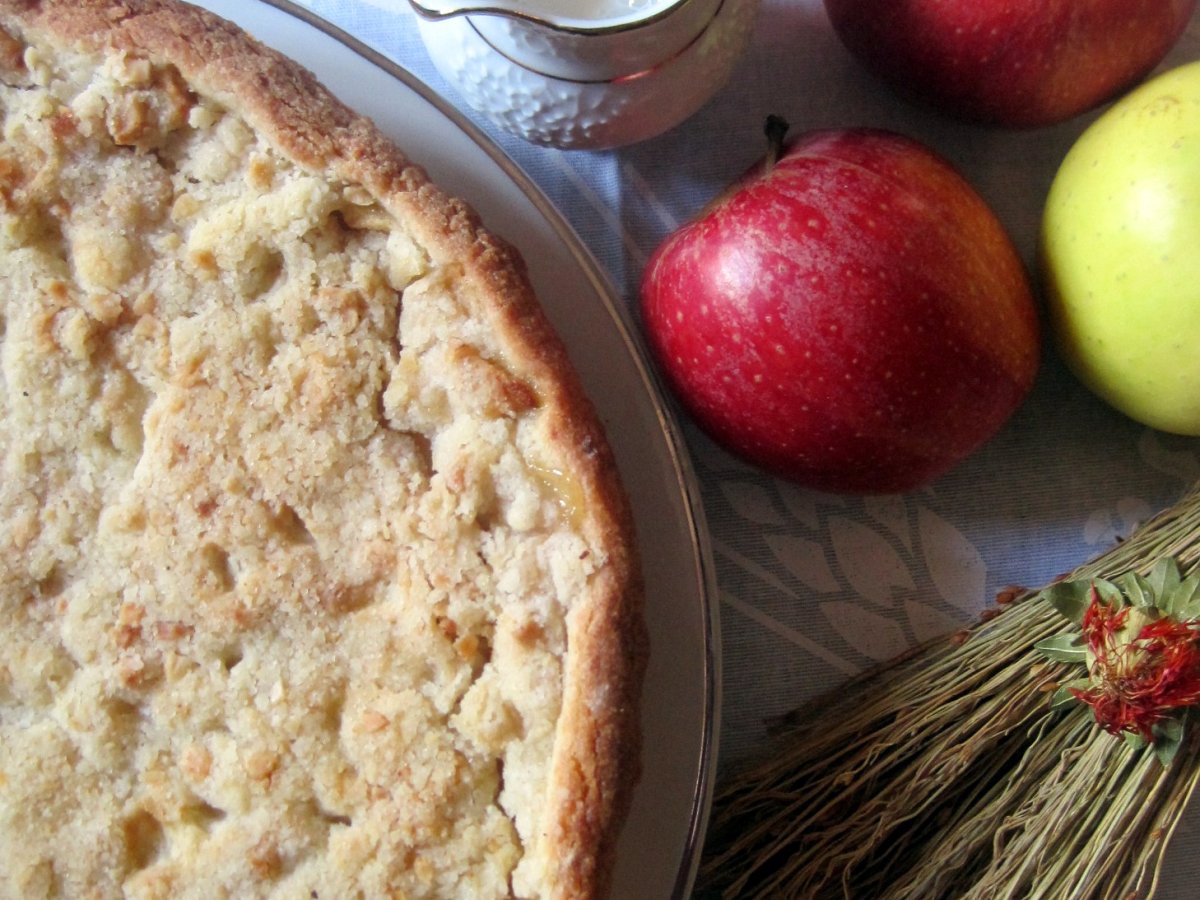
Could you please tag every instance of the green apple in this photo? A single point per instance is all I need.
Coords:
(1121, 253)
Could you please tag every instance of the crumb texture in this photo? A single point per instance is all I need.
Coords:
(287, 555)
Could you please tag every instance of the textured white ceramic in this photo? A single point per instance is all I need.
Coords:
(602, 49)
(567, 14)
(582, 40)
(579, 113)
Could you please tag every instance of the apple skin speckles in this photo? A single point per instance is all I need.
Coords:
(866, 355)
(1019, 63)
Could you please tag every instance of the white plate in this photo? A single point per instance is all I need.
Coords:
(661, 844)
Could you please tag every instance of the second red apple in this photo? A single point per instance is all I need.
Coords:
(1010, 62)
(852, 317)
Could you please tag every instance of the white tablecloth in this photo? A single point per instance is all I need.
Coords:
(813, 587)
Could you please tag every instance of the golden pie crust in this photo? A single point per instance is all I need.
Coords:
(317, 578)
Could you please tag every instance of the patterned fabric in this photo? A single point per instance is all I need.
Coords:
(812, 587)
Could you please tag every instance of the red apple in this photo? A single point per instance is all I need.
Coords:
(1010, 62)
(852, 317)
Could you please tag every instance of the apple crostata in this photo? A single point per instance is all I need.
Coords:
(316, 576)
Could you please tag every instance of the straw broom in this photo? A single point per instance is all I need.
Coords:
(950, 773)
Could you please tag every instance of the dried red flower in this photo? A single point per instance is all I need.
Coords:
(1139, 677)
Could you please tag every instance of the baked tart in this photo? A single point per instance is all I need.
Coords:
(317, 579)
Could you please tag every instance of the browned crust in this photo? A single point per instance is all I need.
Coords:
(597, 755)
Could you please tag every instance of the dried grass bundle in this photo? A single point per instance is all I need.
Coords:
(947, 773)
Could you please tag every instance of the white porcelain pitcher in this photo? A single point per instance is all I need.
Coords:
(585, 73)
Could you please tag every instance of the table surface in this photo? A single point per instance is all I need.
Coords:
(812, 587)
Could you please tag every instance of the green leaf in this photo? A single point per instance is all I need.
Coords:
(1135, 741)
(1063, 696)
(1070, 598)
(1110, 593)
(1185, 597)
(1137, 589)
(1168, 736)
(1190, 612)
(1063, 648)
(1164, 577)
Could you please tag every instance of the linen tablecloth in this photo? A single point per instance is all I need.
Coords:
(813, 588)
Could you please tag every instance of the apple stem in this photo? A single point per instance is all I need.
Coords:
(776, 129)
